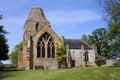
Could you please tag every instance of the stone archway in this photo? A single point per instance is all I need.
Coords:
(44, 42)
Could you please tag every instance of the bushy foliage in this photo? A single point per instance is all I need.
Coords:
(61, 54)
(107, 40)
(100, 60)
(14, 53)
(112, 16)
(99, 39)
(4, 48)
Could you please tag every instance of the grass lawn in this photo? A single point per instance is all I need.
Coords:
(90, 73)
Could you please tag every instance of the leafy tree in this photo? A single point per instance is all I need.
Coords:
(112, 11)
(85, 38)
(114, 31)
(14, 57)
(14, 53)
(98, 38)
(109, 7)
(3, 44)
(61, 55)
(18, 46)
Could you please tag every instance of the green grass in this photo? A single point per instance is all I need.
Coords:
(91, 73)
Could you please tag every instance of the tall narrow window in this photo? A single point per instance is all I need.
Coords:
(38, 51)
(45, 47)
(86, 56)
(36, 26)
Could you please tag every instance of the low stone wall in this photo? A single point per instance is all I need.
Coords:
(7, 66)
(49, 63)
(112, 62)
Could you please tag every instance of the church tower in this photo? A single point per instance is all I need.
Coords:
(34, 22)
(37, 38)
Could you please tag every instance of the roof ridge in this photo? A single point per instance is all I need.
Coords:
(86, 43)
(76, 44)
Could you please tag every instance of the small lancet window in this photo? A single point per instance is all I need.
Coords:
(36, 26)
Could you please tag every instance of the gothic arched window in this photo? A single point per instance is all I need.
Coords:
(45, 47)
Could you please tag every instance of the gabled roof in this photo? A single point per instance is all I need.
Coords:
(76, 44)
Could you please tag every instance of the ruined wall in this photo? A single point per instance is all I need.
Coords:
(50, 62)
(35, 25)
(79, 57)
(20, 60)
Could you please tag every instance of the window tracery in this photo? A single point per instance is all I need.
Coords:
(45, 47)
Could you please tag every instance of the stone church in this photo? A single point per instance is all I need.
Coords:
(39, 45)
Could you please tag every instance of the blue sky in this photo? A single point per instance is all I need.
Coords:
(69, 18)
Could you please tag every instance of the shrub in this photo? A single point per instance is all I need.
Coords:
(2, 66)
(39, 67)
(100, 60)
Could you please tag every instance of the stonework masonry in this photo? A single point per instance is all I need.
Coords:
(39, 45)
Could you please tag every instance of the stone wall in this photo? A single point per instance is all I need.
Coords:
(48, 63)
(35, 26)
(20, 60)
(112, 62)
(51, 63)
(78, 56)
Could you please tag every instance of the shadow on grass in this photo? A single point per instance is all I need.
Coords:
(5, 75)
(5, 72)
(9, 70)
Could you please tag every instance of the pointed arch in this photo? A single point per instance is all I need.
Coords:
(45, 46)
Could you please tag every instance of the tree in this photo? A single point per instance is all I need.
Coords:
(4, 49)
(112, 11)
(14, 57)
(98, 38)
(85, 38)
(14, 53)
(61, 55)
(109, 7)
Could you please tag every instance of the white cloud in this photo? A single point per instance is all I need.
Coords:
(70, 21)
(68, 17)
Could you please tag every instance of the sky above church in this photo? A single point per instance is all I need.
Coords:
(68, 18)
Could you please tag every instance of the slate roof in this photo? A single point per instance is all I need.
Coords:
(76, 44)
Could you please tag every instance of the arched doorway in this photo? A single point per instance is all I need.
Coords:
(86, 58)
(45, 46)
